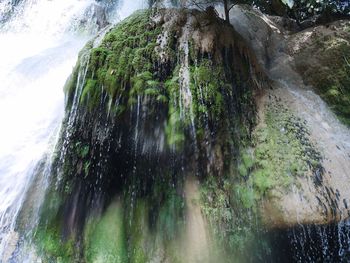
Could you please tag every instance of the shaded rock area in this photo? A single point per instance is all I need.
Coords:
(315, 243)
(96, 13)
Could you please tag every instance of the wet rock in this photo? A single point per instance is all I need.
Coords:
(292, 58)
(10, 246)
(97, 14)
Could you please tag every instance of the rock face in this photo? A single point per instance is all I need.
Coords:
(299, 62)
(321, 57)
(162, 98)
(176, 105)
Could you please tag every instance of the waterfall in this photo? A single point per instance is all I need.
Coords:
(172, 172)
(39, 45)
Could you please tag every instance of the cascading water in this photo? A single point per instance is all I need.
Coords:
(142, 152)
(39, 41)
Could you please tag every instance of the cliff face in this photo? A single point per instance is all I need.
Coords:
(322, 58)
(183, 140)
(302, 64)
(158, 113)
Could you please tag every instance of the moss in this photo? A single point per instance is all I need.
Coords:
(104, 240)
(90, 93)
(246, 195)
(175, 129)
(137, 234)
(277, 155)
(335, 89)
(123, 61)
(242, 170)
(51, 245)
(330, 76)
(228, 207)
(262, 180)
(208, 87)
(175, 125)
(170, 217)
(248, 160)
(283, 151)
(82, 150)
(125, 70)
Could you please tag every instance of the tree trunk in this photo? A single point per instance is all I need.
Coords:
(227, 11)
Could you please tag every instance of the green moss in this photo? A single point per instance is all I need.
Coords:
(123, 61)
(331, 76)
(228, 207)
(208, 87)
(175, 125)
(248, 161)
(170, 217)
(138, 233)
(175, 129)
(82, 150)
(246, 196)
(242, 170)
(279, 153)
(283, 151)
(104, 239)
(262, 180)
(124, 70)
(91, 94)
(51, 245)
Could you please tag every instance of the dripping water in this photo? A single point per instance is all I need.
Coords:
(39, 45)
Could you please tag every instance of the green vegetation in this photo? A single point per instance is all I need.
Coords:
(280, 153)
(226, 219)
(124, 74)
(126, 67)
(333, 81)
(283, 150)
(104, 240)
(137, 229)
(208, 87)
(330, 76)
(122, 64)
(51, 245)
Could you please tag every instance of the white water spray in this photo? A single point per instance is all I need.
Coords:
(39, 45)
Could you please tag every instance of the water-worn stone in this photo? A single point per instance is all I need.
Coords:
(316, 56)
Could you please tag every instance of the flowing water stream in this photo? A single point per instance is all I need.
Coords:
(39, 44)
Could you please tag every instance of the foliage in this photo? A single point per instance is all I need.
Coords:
(298, 9)
(303, 9)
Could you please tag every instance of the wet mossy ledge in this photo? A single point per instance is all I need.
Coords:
(164, 96)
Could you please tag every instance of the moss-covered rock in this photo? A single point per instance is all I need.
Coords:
(323, 61)
(162, 96)
(283, 150)
(104, 238)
